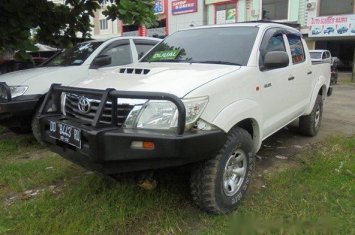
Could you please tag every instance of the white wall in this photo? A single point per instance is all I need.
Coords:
(176, 22)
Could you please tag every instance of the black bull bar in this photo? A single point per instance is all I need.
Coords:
(53, 101)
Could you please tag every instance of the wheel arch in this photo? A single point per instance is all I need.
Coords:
(321, 89)
(245, 114)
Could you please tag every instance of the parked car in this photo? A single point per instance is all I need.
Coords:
(27, 88)
(342, 29)
(328, 30)
(206, 96)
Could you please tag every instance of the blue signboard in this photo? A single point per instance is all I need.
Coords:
(159, 7)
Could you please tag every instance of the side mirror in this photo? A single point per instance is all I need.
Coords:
(276, 59)
(100, 61)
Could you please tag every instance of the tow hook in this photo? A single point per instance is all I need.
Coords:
(146, 180)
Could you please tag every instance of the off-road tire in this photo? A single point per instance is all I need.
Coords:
(308, 125)
(207, 178)
(330, 91)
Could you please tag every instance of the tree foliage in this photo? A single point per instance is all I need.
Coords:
(24, 22)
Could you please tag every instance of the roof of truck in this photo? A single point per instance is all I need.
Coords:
(260, 24)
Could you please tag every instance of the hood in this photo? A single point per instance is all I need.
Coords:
(40, 79)
(20, 77)
(175, 78)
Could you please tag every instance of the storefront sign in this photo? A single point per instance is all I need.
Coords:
(330, 26)
(183, 6)
(159, 7)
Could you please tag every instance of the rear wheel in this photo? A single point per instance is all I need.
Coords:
(310, 124)
(218, 185)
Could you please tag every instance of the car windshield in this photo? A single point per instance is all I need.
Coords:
(316, 55)
(222, 45)
(74, 56)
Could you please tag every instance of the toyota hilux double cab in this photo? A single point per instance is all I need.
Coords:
(205, 97)
(22, 92)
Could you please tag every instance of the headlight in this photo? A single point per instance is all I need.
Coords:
(164, 115)
(17, 90)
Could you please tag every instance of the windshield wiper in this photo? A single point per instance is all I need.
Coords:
(213, 62)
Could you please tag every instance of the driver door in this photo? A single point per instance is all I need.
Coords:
(274, 84)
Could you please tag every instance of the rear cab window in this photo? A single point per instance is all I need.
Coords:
(296, 48)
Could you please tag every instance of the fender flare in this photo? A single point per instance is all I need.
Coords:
(320, 86)
(239, 111)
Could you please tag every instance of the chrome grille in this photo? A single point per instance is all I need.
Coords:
(72, 110)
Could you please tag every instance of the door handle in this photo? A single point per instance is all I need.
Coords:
(309, 72)
(291, 78)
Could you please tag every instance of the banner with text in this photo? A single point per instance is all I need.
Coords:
(330, 26)
(183, 6)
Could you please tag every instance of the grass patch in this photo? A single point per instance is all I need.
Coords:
(316, 198)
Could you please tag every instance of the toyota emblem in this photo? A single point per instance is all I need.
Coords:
(84, 105)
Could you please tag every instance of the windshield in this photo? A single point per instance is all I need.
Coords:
(315, 55)
(222, 45)
(74, 56)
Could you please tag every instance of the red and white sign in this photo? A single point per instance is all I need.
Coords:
(179, 7)
(329, 26)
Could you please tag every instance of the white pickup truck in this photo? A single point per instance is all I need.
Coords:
(205, 97)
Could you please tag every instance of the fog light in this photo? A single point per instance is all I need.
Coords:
(143, 145)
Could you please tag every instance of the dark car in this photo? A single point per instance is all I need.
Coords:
(328, 30)
(342, 30)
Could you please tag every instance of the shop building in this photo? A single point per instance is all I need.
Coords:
(331, 26)
(178, 14)
(104, 28)
(186, 13)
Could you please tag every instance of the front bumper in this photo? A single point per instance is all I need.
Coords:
(19, 107)
(108, 149)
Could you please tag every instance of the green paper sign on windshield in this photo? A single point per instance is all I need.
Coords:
(165, 55)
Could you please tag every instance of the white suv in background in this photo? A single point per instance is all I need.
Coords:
(320, 56)
(21, 92)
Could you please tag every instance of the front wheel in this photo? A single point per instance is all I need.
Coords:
(218, 185)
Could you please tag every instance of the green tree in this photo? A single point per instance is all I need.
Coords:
(24, 22)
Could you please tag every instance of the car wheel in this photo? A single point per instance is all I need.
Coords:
(309, 125)
(218, 185)
(330, 91)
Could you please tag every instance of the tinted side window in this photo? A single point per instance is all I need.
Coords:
(276, 43)
(271, 42)
(296, 47)
(120, 53)
(324, 55)
(143, 46)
